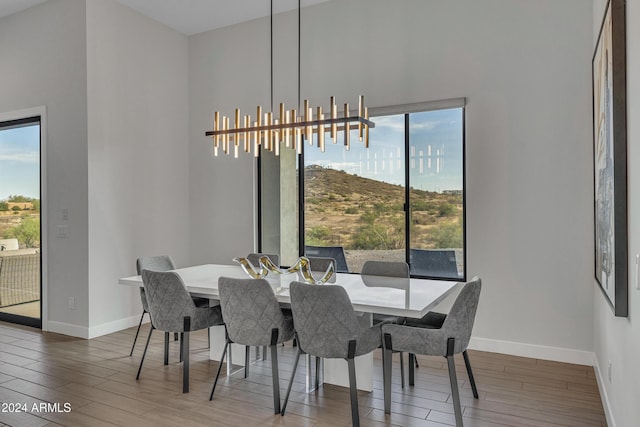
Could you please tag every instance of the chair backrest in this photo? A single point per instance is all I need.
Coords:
(254, 258)
(385, 268)
(459, 321)
(335, 252)
(324, 318)
(152, 263)
(250, 310)
(318, 266)
(434, 263)
(168, 299)
(155, 263)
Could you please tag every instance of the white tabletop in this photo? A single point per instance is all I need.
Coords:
(369, 294)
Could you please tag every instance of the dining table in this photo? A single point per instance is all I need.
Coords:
(392, 296)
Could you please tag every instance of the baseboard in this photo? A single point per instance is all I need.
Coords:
(611, 422)
(556, 354)
(94, 331)
(68, 329)
(115, 326)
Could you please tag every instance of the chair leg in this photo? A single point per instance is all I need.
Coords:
(386, 375)
(181, 347)
(402, 368)
(293, 374)
(416, 359)
(276, 379)
(175, 336)
(247, 352)
(166, 348)
(137, 332)
(353, 387)
(144, 353)
(317, 372)
(454, 382)
(412, 376)
(470, 373)
(215, 382)
(353, 391)
(185, 353)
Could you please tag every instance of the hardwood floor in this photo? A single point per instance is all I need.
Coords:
(97, 378)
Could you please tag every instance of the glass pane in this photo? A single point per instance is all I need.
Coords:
(279, 198)
(436, 196)
(20, 220)
(354, 199)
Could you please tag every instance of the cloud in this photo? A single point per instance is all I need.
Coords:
(20, 156)
(428, 125)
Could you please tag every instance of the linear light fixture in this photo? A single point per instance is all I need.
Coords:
(290, 128)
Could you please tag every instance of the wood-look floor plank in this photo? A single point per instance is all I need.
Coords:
(98, 378)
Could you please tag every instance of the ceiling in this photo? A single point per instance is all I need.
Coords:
(188, 16)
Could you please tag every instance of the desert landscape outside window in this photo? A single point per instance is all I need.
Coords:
(407, 187)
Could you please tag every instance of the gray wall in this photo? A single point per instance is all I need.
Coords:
(43, 62)
(138, 154)
(524, 67)
(115, 86)
(616, 339)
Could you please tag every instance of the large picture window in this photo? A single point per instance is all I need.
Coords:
(402, 199)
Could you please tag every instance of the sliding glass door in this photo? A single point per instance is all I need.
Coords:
(402, 199)
(20, 215)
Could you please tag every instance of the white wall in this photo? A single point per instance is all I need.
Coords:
(43, 63)
(138, 154)
(616, 340)
(228, 69)
(524, 67)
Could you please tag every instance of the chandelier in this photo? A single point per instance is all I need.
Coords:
(291, 127)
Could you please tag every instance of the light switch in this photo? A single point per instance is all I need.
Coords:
(63, 231)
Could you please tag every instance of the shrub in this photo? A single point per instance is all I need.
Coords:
(27, 232)
(447, 236)
(351, 210)
(446, 209)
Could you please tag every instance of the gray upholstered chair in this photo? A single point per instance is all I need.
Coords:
(318, 266)
(254, 258)
(335, 252)
(380, 269)
(172, 310)
(253, 317)
(158, 263)
(450, 337)
(327, 326)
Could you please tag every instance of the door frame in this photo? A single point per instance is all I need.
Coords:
(40, 111)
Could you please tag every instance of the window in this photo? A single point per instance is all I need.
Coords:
(402, 199)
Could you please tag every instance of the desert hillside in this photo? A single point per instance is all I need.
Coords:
(361, 213)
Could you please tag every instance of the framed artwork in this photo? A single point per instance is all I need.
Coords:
(610, 157)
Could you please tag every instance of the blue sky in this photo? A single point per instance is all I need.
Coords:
(435, 151)
(20, 161)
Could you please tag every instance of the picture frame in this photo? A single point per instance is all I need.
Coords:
(610, 158)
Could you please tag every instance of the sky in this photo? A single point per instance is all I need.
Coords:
(20, 161)
(435, 140)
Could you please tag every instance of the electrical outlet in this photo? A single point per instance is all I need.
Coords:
(609, 369)
(72, 303)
